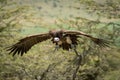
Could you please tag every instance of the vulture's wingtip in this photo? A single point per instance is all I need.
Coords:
(101, 42)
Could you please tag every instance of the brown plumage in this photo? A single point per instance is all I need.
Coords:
(65, 39)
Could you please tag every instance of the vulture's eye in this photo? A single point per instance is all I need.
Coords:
(56, 39)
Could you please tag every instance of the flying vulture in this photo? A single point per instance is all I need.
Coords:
(65, 39)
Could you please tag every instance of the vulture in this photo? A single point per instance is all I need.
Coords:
(65, 39)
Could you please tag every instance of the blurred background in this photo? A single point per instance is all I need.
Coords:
(99, 18)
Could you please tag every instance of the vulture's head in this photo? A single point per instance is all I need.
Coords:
(57, 35)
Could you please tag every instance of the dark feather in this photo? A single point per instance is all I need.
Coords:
(100, 42)
(26, 43)
(66, 46)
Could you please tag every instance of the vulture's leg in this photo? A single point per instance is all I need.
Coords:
(56, 48)
(76, 52)
(78, 59)
(74, 48)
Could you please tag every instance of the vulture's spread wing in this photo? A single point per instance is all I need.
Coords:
(26, 43)
(100, 42)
